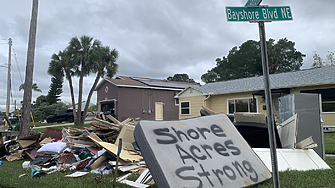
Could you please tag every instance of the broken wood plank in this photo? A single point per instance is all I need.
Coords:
(305, 143)
(128, 120)
(100, 126)
(127, 135)
(29, 140)
(113, 119)
(113, 149)
(112, 125)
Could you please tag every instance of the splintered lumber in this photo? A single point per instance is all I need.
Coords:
(76, 141)
(306, 143)
(106, 123)
(113, 149)
(100, 126)
(128, 121)
(113, 119)
(94, 137)
(95, 129)
(127, 135)
(75, 131)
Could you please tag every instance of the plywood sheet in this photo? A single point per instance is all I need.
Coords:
(112, 149)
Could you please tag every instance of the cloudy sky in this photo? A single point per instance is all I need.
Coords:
(155, 38)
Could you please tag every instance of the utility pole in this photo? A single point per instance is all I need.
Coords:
(9, 77)
(26, 106)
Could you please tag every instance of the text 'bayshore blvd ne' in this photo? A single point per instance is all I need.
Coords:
(258, 13)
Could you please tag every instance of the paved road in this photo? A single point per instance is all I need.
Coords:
(58, 125)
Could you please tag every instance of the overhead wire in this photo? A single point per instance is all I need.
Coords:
(18, 68)
(17, 64)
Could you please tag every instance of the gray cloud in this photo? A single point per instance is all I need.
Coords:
(155, 38)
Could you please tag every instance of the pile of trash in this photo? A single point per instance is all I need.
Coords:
(105, 147)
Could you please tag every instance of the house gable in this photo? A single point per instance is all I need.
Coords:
(189, 92)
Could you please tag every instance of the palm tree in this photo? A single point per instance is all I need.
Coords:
(83, 53)
(82, 57)
(59, 66)
(33, 87)
(104, 66)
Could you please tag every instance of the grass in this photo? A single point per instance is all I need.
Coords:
(10, 171)
(329, 143)
(311, 178)
(10, 178)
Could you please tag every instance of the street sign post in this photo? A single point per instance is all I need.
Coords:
(253, 12)
(246, 14)
(253, 3)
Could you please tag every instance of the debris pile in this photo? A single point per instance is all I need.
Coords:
(105, 147)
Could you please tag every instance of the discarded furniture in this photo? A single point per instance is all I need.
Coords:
(8, 135)
(308, 106)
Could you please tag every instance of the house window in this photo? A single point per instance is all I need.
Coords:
(328, 105)
(176, 101)
(185, 108)
(241, 105)
(327, 98)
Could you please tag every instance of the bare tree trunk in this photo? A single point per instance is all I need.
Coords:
(80, 96)
(72, 95)
(88, 100)
(26, 106)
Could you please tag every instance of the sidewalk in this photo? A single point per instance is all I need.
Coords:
(58, 125)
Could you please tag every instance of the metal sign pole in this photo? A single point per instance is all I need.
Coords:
(269, 111)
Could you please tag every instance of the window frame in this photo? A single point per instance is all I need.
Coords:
(241, 98)
(189, 108)
(175, 101)
(327, 101)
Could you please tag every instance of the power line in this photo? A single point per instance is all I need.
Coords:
(17, 64)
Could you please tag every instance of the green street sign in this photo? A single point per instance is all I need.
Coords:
(245, 14)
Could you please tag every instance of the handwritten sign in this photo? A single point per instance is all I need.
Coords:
(200, 152)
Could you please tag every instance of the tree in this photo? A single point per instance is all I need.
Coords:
(81, 57)
(56, 89)
(46, 109)
(40, 100)
(33, 87)
(26, 105)
(92, 108)
(181, 78)
(318, 62)
(105, 65)
(246, 61)
(60, 66)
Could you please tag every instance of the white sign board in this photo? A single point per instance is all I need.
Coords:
(200, 152)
